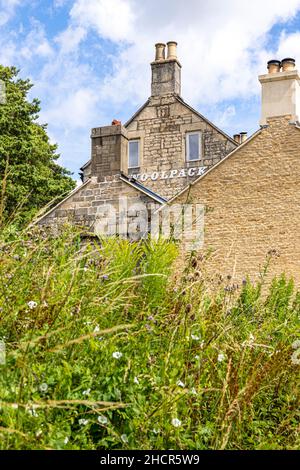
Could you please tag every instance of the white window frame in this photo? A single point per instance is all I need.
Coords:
(139, 153)
(188, 146)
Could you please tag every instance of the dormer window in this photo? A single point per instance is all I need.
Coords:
(193, 146)
(133, 154)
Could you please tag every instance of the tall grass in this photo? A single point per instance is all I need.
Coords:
(108, 348)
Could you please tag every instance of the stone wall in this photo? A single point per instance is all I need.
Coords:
(85, 207)
(252, 202)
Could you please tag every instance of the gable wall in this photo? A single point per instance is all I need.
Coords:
(161, 127)
(252, 202)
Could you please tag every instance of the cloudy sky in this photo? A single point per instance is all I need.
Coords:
(89, 59)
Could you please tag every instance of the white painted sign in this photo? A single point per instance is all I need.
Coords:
(165, 175)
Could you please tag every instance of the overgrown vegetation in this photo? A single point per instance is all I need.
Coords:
(29, 175)
(107, 348)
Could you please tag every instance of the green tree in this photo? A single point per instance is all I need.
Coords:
(29, 176)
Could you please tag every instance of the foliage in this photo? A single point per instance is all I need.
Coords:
(29, 175)
(107, 349)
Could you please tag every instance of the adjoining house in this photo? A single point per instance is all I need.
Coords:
(252, 196)
(168, 155)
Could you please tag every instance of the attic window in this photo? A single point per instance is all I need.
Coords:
(133, 154)
(193, 146)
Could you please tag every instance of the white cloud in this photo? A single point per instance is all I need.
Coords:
(113, 20)
(221, 44)
(7, 9)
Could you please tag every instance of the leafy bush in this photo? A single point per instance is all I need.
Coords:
(107, 348)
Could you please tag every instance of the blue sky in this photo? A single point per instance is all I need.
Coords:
(89, 59)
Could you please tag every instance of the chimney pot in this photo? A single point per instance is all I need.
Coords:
(172, 50)
(288, 64)
(274, 66)
(244, 136)
(237, 138)
(160, 51)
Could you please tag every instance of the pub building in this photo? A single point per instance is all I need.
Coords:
(168, 154)
(160, 150)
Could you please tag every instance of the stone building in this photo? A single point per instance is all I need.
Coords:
(159, 151)
(252, 196)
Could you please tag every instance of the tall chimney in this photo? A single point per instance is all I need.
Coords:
(280, 91)
(166, 72)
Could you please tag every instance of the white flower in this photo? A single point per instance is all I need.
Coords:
(117, 355)
(86, 392)
(43, 387)
(96, 329)
(296, 358)
(32, 412)
(15, 406)
(193, 391)
(296, 344)
(124, 438)
(83, 422)
(66, 440)
(221, 357)
(197, 358)
(39, 433)
(195, 337)
(102, 419)
(136, 380)
(156, 431)
(176, 422)
(180, 384)
(251, 338)
(32, 304)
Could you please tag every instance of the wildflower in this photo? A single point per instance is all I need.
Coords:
(180, 384)
(96, 329)
(86, 392)
(100, 338)
(136, 380)
(39, 433)
(83, 422)
(148, 327)
(105, 277)
(193, 391)
(15, 406)
(176, 422)
(195, 337)
(296, 344)
(150, 318)
(32, 304)
(221, 357)
(251, 338)
(117, 355)
(66, 440)
(102, 419)
(43, 387)
(124, 438)
(197, 357)
(296, 358)
(156, 431)
(32, 412)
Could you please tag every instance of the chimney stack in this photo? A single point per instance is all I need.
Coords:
(237, 138)
(280, 91)
(166, 71)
